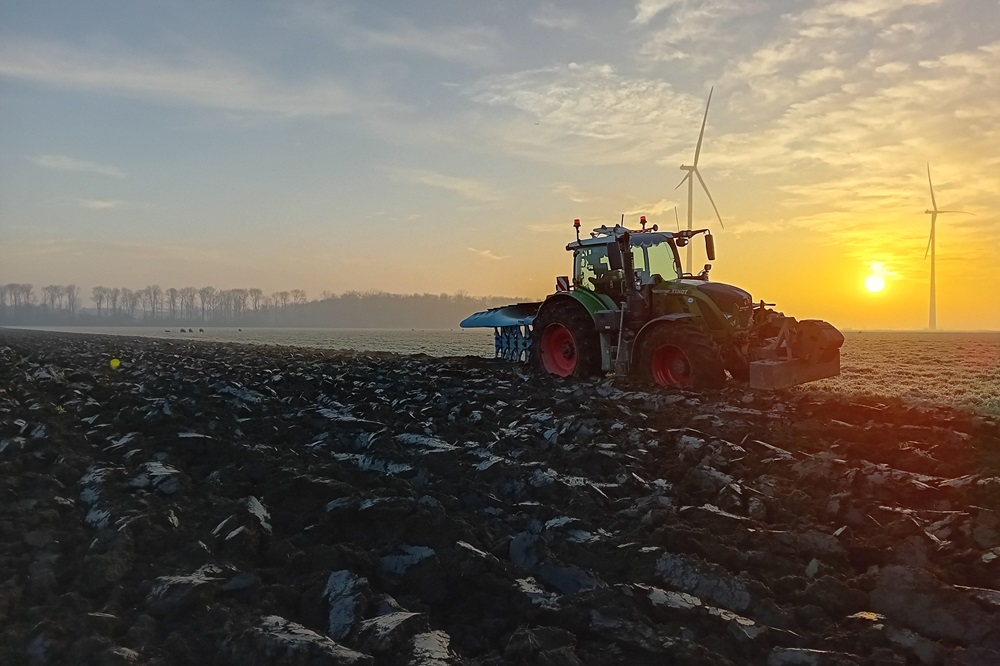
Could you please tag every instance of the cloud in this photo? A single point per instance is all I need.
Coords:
(465, 187)
(66, 163)
(647, 10)
(697, 30)
(557, 18)
(873, 11)
(101, 204)
(195, 78)
(569, 191)
(547, 228)
(145, 254)
(486, 254)
(463, 44)
(831, 128)
(664, 207)
(584, 114)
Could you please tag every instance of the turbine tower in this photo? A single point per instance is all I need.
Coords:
(931, 246)
(693, 169)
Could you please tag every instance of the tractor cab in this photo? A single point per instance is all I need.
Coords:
(599, 264)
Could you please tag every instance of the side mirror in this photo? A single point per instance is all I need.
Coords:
(710, 246)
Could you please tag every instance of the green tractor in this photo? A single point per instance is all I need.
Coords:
(631, 309)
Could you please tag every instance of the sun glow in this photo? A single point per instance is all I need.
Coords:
(874, 283)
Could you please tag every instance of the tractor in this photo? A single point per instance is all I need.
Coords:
(629, 308)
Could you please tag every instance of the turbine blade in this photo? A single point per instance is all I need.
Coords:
(702, 181)
(955, 211)
(931, 185)
(931, 237)
(683, 180)
(677, 217)
(701, 135)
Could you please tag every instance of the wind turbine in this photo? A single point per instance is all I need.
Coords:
(693, 169)
(930, 245)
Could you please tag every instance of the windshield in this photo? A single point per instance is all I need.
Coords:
(654, 255)
(591, 264)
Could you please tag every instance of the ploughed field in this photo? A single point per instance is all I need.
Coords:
(227, 504)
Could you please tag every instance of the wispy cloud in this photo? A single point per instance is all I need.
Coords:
(118, 251)
(664, 210)
(873, 11)
(569, 191)
(833, 109)
(486, 254)
(547, 228)
(458, 44)
(556, 18)
(647, 10)
(66, 163)
(584, 114)
(465, 187)
(697, 30)
(198, 79)
(465, 44)
(101, 204)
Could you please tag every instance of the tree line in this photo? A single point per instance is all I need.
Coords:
(54, 296)
(191, 303)
(20, 304)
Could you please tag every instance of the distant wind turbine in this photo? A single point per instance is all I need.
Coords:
(931, 245)
(693, 169)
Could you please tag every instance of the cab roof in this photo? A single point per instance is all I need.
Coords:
(603, 235)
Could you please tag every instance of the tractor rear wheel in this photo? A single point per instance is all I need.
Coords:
(564, 341)
(681, 354)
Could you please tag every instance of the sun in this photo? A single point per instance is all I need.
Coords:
(874, 283)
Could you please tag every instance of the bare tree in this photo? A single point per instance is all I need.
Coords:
(114, 299)
(188, 295)
(298, 296)
(146, 299)
(72, 292)
(27, 295)
(156, 299)
(220, 304)
(172, 300)
(130, 301)
(207, 296)
(99, 295)
(255, 298)
(49, 293)
(239, 302)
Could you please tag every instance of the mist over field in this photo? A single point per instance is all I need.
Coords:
(153, 306)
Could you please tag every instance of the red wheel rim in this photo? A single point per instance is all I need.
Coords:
(558, 350)
(671, 367)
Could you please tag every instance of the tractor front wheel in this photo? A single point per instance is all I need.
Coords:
(681, 354)
(565, 341)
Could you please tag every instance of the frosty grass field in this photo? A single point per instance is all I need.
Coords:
(941, 367)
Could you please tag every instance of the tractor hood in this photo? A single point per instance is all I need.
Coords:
(727, 297)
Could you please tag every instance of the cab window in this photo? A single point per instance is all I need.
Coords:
(591, 263)
(655, 259)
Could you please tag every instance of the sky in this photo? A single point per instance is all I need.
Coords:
(448, 146)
